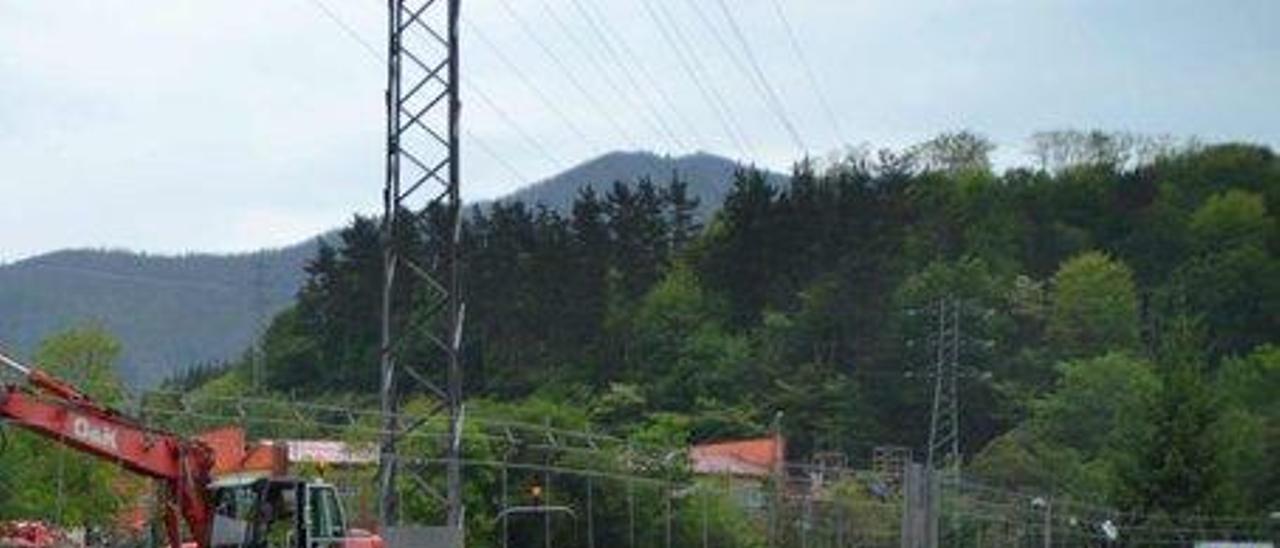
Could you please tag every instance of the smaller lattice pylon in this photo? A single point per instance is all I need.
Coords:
(889, 462)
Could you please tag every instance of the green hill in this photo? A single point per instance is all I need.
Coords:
(173, 312)
(170, 311)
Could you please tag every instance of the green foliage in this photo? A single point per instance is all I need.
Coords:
(813, 299)
(1079, 435)
(1095, 307)
(1099, 404)
(807, 306)
(1235, 292)
(869, 519)
(1233, 218)
(45, 480)
(955, 152)
(680, 350)
(1248, 387)
(85, 357)
(711, 512)
(1232, 282)
(1180, 469)
(1017, 460)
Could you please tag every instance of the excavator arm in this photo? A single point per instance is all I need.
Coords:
(58, 411)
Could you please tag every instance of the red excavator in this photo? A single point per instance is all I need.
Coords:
(254, 512)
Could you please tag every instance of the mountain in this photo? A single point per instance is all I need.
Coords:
(173, 312)
(170, 312)
(710, 178)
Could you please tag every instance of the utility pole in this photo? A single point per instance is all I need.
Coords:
(259, 306)
(421, 226)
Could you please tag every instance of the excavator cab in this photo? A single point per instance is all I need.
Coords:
(280, 513)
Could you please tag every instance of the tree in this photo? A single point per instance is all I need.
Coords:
(1232, 219)
(1094, 307)
(739, 263)
(955, 152)
(681, 352)
(1233, 282)
(1098, 405)
(87, 358)
(1077, 437)
(1178, 470)
(684, 226)
(640, 235)
(591, 258)
(1058, 150)
(811, 296)
(1248, 386)
(48, 481)
(328, 340)
(1234, 291)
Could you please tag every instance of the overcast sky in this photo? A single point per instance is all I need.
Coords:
(229, 125)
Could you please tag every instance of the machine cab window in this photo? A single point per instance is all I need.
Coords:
(325, 522)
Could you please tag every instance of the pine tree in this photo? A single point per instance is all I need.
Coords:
(684, 225)
(591, 259)
(740, 263)
(640, 234)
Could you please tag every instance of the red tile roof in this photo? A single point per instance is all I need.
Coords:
(758, 457)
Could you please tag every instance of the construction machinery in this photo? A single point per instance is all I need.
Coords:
(248, 511)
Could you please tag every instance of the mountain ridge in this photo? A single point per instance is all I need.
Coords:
(708, 176)
(174, 311)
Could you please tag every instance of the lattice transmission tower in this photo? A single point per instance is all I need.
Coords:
(944, 420)
(422, 309)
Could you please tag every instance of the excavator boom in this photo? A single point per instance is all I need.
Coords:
(57, 410)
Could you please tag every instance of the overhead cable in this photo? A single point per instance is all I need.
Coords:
(809, 73)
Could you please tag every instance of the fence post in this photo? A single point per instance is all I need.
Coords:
(506, 531)
(920, 508)
(591, 516)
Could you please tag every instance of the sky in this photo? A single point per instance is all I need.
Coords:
(172, 126)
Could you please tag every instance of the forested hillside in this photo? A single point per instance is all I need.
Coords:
(170, 312)
(1114, 299)
(175, 312)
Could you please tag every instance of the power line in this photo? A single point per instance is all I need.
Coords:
(569, 74)
(631, 56)
(809, 73)
(350, 32)
(515, 69)
(741, 65)
(502, 161)
(678, 45)
(777, 107)
(649, 114)
(475, 139)
(730, 52)
(506, 118)
(611, 52)
(696, 58)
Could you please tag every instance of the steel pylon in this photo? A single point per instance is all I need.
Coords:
(422, 309)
